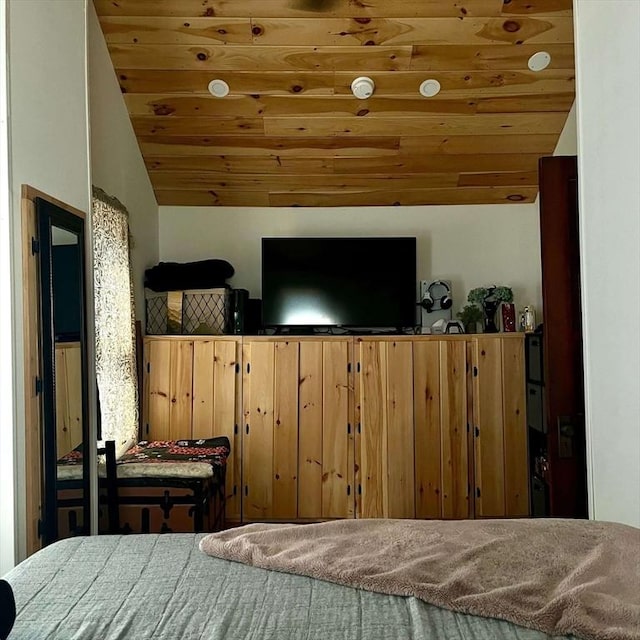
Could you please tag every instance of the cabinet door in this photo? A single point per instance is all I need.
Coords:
(441, 449)
(215, 388)
(386, 440)
(297, 451)
(501, 465)
(325, 458)
(270, 434)
(168, 384)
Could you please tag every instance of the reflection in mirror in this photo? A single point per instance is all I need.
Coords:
(64, 383)
(67, 326)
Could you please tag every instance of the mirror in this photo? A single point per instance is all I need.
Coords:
(64, 372)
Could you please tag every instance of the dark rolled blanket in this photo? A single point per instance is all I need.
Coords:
(174, 276)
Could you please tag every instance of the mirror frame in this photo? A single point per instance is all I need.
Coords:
(33, 447)
(48, 216)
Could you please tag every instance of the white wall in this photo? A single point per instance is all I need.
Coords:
(49, 146)
(117, 166)
(568, 140)
(7, 537)
(470, 245)
(608, 72)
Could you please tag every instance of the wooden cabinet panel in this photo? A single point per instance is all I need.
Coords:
(441, 449)
(336, 391)
(310, 440)
(214, 406)
(400, 455)
(257, 446)
(74, 393)
(426, 381)
(516, 471)
(285, 431)
(181, 389)
(303, 448)
(169, 377)
(158, 383)
(501, 472)
(489, 444)
(386, 442)
(453, 403)
(373, 429)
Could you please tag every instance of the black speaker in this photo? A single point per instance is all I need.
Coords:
(253, 317)
(239, 303)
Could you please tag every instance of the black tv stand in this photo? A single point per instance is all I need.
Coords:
(342, 331)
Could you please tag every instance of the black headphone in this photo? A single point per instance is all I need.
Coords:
(429, 302)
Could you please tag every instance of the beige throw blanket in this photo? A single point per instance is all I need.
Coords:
(557, 576)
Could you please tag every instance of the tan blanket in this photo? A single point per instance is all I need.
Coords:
(557, 576)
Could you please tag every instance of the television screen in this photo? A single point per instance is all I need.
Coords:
(351, 282)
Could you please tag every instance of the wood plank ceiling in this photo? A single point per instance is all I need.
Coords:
(291, 133)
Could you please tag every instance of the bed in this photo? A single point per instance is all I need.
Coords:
(162, 587)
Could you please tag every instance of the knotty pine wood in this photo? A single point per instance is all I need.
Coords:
(290, 69)
(68, 368)
(285, 431)
(287, 32)
(516, 471)
(418, 397)
(371, 197)
(372, 436)
(32, 360)
(214, 407)
(262, 58)
(399, 458)
(489, 422)
(181, 389)
(428, 429)
(257, 444)
(336, 393)
(350, 8)
(389, 84)
(400, 165)
(310, 431)
(157, 382)
(343, 107)
(377, 197)
(454, 452)
(422, 147)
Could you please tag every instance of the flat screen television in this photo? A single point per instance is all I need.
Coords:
(329, 282)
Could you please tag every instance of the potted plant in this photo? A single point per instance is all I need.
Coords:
(489, 298)
(470, 316)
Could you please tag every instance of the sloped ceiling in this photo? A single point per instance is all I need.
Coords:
(290, 133)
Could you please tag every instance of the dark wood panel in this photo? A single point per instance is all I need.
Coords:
(563, 364)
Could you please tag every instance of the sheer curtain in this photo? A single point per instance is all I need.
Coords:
(114, 322)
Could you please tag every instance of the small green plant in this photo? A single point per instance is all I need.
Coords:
(471, 314)
(493, 293)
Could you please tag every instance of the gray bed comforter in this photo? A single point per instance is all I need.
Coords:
(162, 587)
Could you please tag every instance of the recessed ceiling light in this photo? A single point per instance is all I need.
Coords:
(218, 88)
(430, 88)
(363, 87)
(539, 61)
